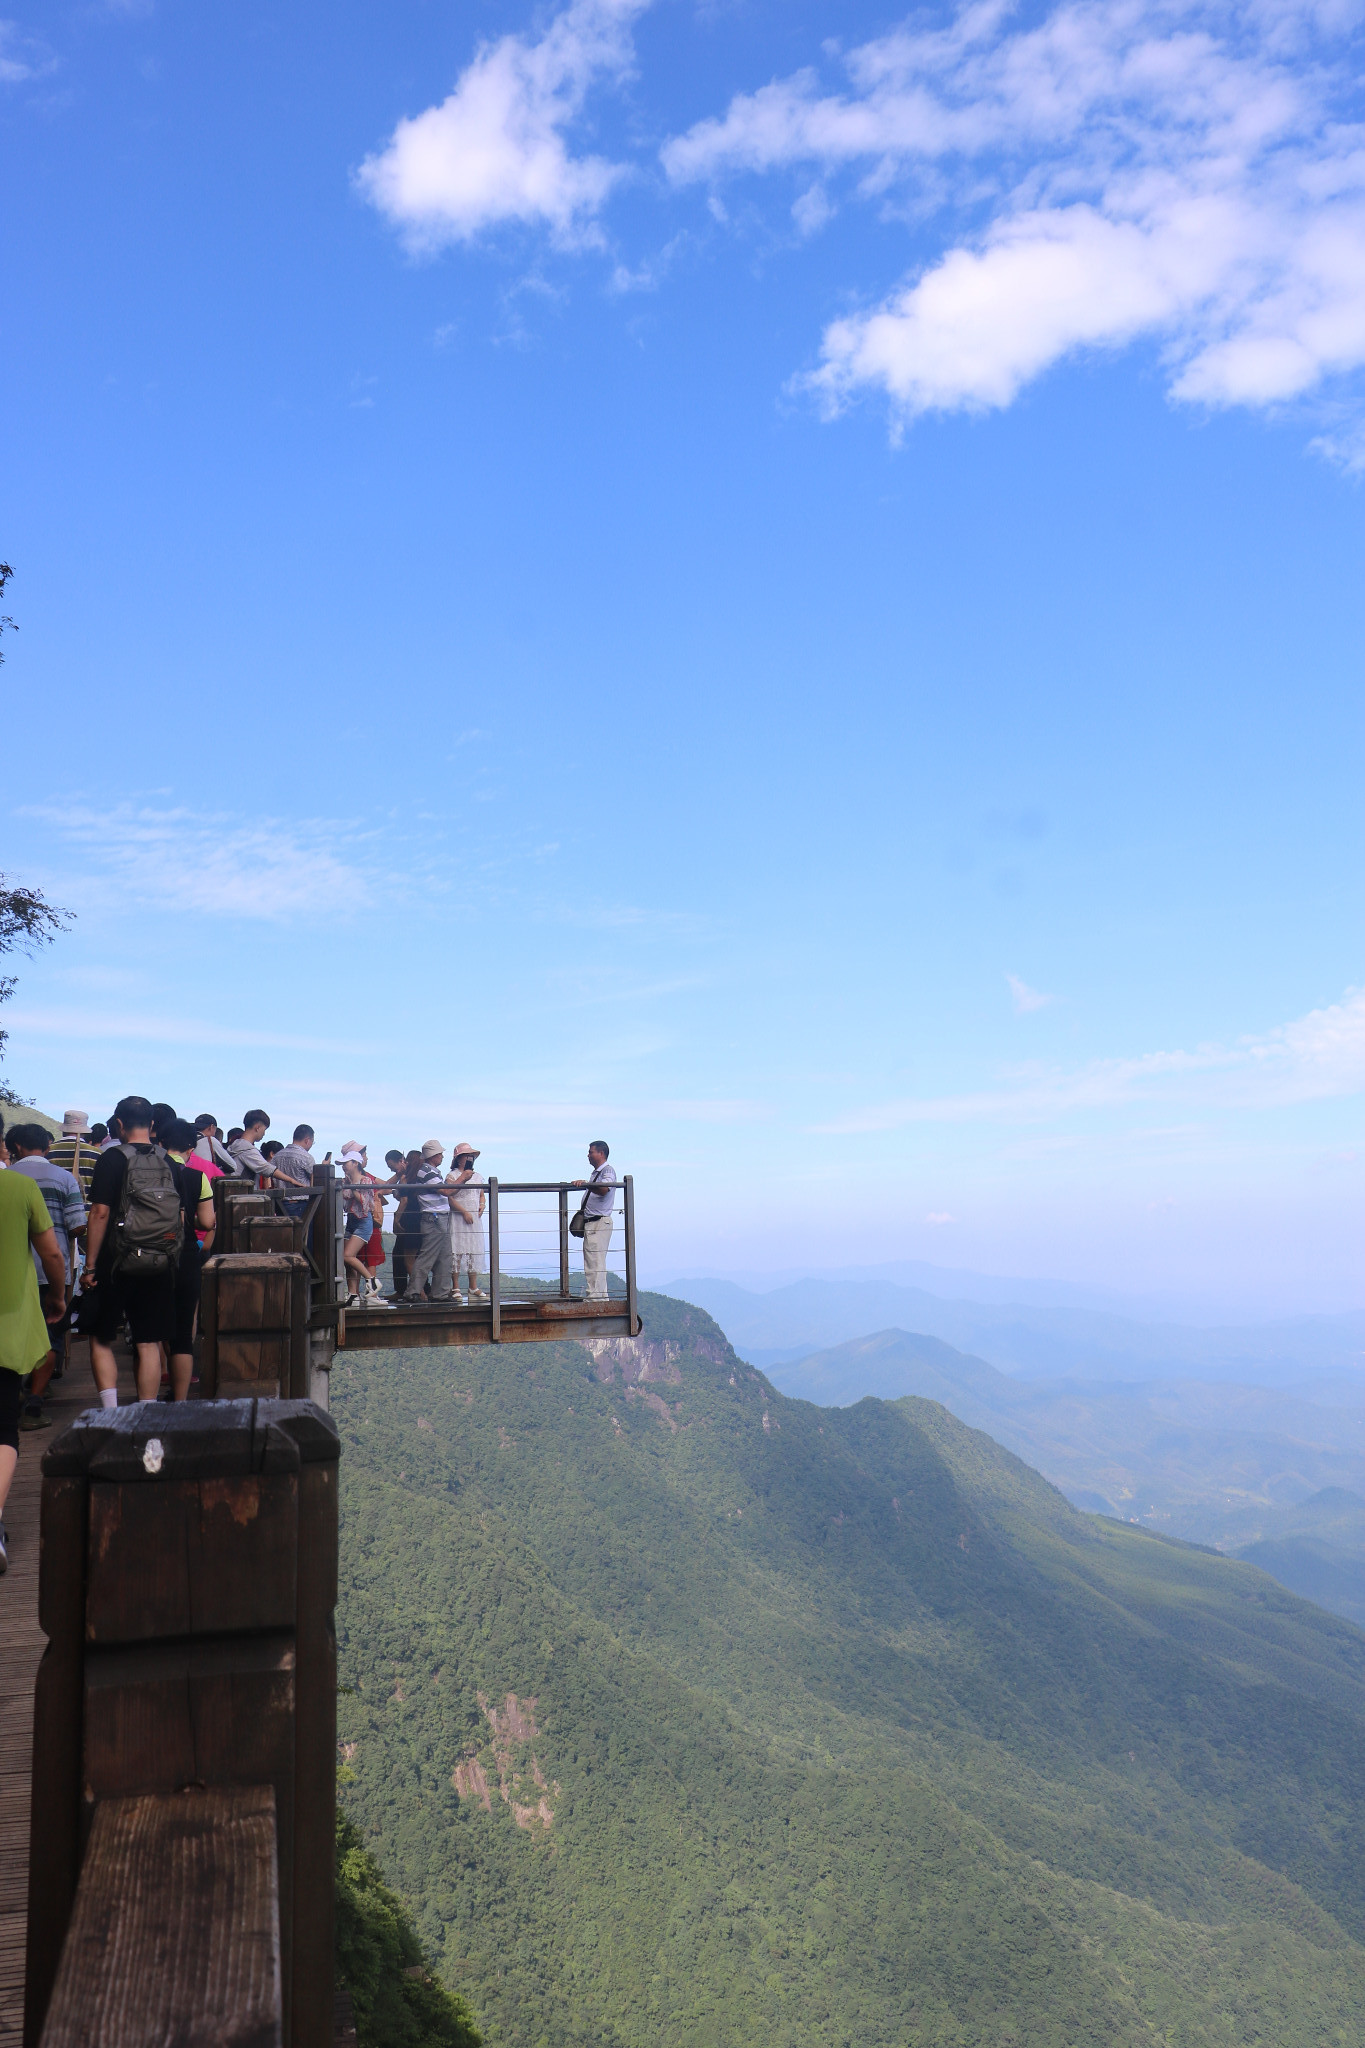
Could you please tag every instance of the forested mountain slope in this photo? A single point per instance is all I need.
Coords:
(688, 1714)
(1188, 1458)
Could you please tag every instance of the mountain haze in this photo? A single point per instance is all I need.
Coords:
(1030, 1338)
(686, 1713)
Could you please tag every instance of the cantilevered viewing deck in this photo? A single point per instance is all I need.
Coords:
(533, 1292)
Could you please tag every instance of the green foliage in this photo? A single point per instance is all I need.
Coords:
(687, 1715)
(380, 1960)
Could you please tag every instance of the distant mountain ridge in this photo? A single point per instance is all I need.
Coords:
(964, 1283)
(1273, 1475)
(811, 1315)
(1317, 1549)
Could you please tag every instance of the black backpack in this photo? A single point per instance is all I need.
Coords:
(149, 1228)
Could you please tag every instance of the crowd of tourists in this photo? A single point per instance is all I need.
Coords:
(105, 1228)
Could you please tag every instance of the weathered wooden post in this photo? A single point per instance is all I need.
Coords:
(271, 1234)
(253, 1320)
(235, 1204)
(181, 1865)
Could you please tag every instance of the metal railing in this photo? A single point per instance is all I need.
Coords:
(528, 1254)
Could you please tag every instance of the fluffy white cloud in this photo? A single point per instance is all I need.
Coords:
(1181, 169)
(494, 151)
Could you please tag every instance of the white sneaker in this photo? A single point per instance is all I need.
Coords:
(353, 1299)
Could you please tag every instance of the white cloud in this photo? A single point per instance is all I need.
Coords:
(1316, 1058)
(812, 210)
(104, 1017)
(494, 151)
(1183, 170)
(22, 56)
(1027, 999)
(219, 867)
(939, 1216)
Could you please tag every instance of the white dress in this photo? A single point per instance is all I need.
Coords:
(467, 1240)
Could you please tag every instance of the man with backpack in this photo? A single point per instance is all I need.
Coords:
(135, 1241)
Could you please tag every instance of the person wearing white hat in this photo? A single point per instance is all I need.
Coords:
(76, 1150)
(360, 1227)
(431, 1260)
(467, 1204)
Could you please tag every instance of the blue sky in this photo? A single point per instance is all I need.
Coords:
(783, 584)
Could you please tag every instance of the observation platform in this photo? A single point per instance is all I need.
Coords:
(542, 1320)
(528, 1226)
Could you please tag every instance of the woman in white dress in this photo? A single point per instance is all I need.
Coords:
(468, 1201)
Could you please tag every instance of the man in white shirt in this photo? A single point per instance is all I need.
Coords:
(597, 1207)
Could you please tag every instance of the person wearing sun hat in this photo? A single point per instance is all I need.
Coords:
(467, 1204)
(76, 1149)
(360, 1226)
(432, 1256)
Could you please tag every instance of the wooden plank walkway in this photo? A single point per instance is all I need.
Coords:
(21, 1647)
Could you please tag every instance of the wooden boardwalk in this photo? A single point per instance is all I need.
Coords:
(21, 1646)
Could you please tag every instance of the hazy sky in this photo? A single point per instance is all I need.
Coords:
(779, 583)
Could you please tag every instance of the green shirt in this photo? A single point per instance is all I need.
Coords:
(24, 1341)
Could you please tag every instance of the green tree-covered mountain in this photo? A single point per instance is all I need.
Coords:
(689, 1714)
(1275, 1475)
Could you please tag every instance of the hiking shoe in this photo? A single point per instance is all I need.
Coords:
(34, 1418)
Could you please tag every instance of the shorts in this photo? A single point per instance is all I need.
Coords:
(148, 1305)
(13, 1387)
(359, 1226)
(56, 1332)
(187, 1287)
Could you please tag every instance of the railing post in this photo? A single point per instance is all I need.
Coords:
(632, 1311)
(564, 1244)
(327, 1293)
(494, 1287)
